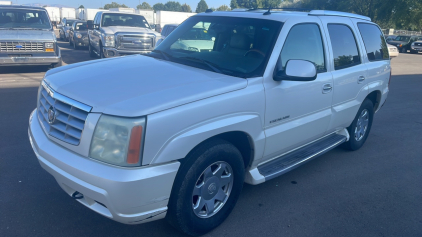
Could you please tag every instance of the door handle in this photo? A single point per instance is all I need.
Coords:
(361, 79)
(327, 88)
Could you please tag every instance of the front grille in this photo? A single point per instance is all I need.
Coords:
(135, 42)
(419, 44)
(17, 46)
(69, 120)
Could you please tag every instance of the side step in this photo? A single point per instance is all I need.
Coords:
(292, 160)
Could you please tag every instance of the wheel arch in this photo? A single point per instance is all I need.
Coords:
(375, 97)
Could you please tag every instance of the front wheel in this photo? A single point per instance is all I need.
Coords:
(206, 188)
(361, 126)
(403, 50)
(92, 54)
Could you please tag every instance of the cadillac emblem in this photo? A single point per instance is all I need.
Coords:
(51, 115)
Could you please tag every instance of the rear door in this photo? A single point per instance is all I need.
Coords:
(348, 70)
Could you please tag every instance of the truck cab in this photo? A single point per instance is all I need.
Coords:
(117, 33)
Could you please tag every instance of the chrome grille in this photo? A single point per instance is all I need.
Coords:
(69, 120)
(135, 41)
(418, 44)
(17, 46)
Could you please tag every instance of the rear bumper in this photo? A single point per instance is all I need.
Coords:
(112, 52)
(127, 195)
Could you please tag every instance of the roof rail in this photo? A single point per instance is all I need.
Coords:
(283, 9)
(335, 13)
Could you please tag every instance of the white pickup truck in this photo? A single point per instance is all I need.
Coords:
(114, 34)
(275, 90)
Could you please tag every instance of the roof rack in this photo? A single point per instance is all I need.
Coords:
(282, 9)
(335, 13)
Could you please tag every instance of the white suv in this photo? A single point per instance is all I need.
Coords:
(177, 132)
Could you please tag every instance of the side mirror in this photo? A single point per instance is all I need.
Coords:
(297, 70)
(90, 25)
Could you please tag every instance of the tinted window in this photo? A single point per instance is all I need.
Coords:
(304, 42)
(375, 45)
(80, 26)
(345, 50)
(402, 38)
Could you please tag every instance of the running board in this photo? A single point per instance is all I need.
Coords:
(300, 156)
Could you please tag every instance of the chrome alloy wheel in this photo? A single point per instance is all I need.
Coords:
(362, 125)
(212, 189)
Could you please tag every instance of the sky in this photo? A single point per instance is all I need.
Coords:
(130, 3)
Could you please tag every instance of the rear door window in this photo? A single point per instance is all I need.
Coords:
(375, 45)
(345, 50)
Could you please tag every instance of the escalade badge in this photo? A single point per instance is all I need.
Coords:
(51, 115)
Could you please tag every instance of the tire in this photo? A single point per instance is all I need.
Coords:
(403, 50)
(70, 42)
(75, 47)
(101, 51)
(92, 54)
(211, 154)
(357, 140)
(59, 64)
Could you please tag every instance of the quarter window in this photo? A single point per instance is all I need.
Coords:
(304, 42)
(344, 45)
(375, 45)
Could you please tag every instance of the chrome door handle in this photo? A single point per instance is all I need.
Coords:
(327, 88)
(361, 79)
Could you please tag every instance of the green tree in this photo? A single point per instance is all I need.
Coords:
(202, 6)
(186, 8)
(173, 6)
(233, 4)
(223, 8)
(159, 7)
(114, 5)
(81, 6)
(145, 6)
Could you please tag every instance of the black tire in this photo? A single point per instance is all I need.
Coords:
(70, 42)
(356, 142)
(101, 51)
(403, 50)
(92, 54)
(180, 208)
(75, 47)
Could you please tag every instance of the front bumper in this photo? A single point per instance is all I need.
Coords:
(127, 195)
(112, 52)
(31, 61)
(416, 48)
(81, 41)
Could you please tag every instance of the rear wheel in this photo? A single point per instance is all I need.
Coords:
(361, 126)
(206, 188)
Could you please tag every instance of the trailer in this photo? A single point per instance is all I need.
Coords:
(148, 14)
(123, 9)
(88, 14)
(5, 2)
(54, 14)
(169, 17)
(68, 13)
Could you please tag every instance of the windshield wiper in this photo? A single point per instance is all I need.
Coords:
(208, 63)
(165, 55)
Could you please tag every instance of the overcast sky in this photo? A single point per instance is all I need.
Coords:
(130, 3)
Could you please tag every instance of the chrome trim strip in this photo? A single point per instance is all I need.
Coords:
(65, 99)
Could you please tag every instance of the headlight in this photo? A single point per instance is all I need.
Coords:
(413, 44)
(49, 47)
(78, 35)
(108, 40)
(118, 140)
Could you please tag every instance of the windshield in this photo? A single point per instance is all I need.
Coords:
(69, 23)
(419, 39)
(23, 18)
(124, 20)
(234, 46)
(402, 38)
(81, 26)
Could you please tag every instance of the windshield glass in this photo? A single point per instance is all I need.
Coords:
(234, 46)
(81, 26)
(124, 20)
(402, 38)
(24, 18)
(69, 22)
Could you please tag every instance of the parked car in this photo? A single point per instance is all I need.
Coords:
(390, 37)
(403, 42)
(64, 28)
(78, 34)
(392, 50)
(175, 133)
(27, 37)
(167, 29)
(114, 34)
(416, 46)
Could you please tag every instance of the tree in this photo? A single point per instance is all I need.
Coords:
(159, 7)
(223, 8)
(173, 6)
(186, 8)
(114, 5)
(233, 4)
(81, 6)
(202, 6)
(145, 6)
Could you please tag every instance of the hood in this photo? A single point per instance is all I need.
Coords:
(138, 85)
(117, 29)
(26, 35)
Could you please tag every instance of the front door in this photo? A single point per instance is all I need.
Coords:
(298, 112)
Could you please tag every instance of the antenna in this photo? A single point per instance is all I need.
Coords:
(268, 12)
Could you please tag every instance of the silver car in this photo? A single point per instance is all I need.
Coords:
(27, 37)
